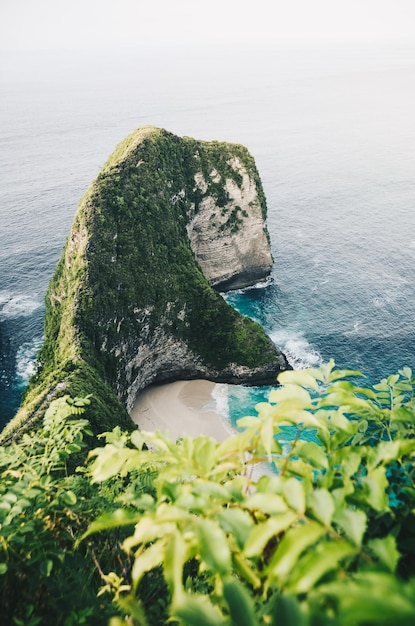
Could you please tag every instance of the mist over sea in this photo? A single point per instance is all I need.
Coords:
(332, 130)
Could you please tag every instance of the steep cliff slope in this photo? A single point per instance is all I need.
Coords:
(131, 301)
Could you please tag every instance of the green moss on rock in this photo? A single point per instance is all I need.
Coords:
(128, 304)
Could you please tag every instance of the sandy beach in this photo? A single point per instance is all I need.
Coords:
(185, 407)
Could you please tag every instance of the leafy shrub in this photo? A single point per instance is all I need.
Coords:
(313, 528)
(44, 507)
(305, 518)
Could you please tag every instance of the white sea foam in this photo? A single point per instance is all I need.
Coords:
(26, 360)
(296, 348)
(220, 396)
(355, 330)
(17, 305)
(269, 280)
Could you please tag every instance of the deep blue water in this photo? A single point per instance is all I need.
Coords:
(332, 130)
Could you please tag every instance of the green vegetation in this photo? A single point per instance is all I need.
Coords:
(148, 531)
(304, 518)
(128, 274)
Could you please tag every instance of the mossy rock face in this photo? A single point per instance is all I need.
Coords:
(131, 302)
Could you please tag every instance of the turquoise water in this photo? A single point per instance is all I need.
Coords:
(332, 131)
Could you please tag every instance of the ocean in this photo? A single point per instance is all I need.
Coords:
(332, 130)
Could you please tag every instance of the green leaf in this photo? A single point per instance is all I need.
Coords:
(245, 569)
(149, 558)
(204, 454)
(174, 559)
(213, 490)
(294, 542)
(3, 568)
(373, 598)
(266, 503)
(294, 494)
(337, 421)
(248, 421)
(351, 389)
(297, 377)
(386, 551)
(349, 461)
(5, 508)
(337, 374)
(198, 611)
(68, 497)
(262, 533)
(384, 452)
(313, 453)
(137, 439)
(110, 461)
(297, 468)
(353, 523)
(320, 501)
(213, 545)
(325, 557)
(392, 379)
(292, 396)
(46, 567)
(119, 517)
(267, 437)
(10, 497)
(374, 485)
(403, 414)
(406, 446)
(237, 522)
(406, 372)
(240, 603)
(286, 611)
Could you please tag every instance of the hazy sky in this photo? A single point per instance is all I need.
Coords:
(78, 24)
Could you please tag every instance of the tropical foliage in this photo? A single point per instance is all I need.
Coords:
(323, 533)
(303, 518)
(44, 505)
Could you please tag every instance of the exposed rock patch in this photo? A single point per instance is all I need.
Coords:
(230, 242)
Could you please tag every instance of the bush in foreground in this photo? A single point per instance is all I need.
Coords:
(304, 518)
(326, 537)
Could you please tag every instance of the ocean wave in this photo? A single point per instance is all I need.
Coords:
(220, 396)
(26, 360)
(17, 305)
(300, 354)
(269, 280)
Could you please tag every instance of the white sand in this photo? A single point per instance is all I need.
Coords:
(185, 408)
(180, 408)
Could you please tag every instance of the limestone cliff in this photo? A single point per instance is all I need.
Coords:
(229, 239)
(131, 301)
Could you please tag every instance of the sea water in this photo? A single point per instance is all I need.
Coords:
(332, 131)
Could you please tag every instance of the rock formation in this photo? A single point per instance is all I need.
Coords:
(230, 241)
(131, 302)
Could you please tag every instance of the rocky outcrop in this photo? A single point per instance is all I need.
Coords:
(230, 242)
(131, 302)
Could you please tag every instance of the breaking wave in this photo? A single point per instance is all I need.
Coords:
(26, 361)
(17, 305)
(299, 352)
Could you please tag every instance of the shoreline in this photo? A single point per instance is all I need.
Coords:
(184, 407)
